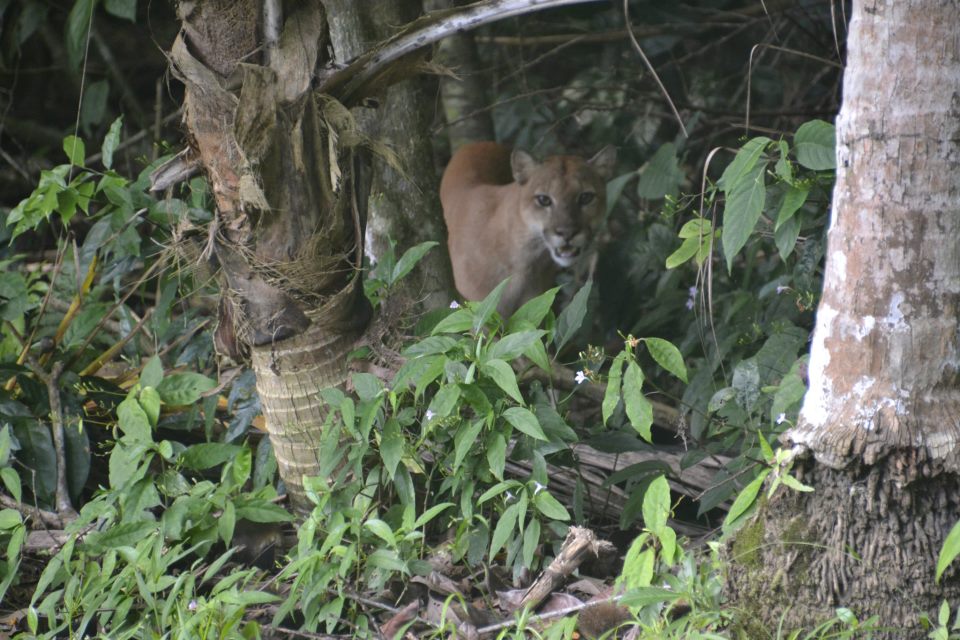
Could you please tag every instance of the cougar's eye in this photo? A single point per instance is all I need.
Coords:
(586, 198)
(542, 200)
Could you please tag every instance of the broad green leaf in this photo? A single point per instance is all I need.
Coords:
(226, 523)
(743, 164)
(445, 400)
(496, 454)
(133, 420)
(430, 346)
(793, 199)
(572, 317)
(639, 409)
(78, 30)
(785, 237)
(646, 596)
(656, 505)
(795, 484)
(208, 454)
(127, 534)
(696, 228)
(11, 481)
(464, 440)
(367, 386)
(382, 530)
(264, 512)
(504, 529)
(525, 422)
(784, 168)
(537, 353)
(184, 388)
(662, 176)
(75, 149)
(497, 489)
(614, 379)
(615, 188)
(485, 308)
(150, 402)
(687, 250)
(122, 8)
(391, 446)
(502, 373)
(667, 356)
(638, 564)
(949, 551)
(745, 499)
(431, 513)
(457, 322)
(668, 544)
(410, 258)
(533, 311)
(93, 110)
(9, 519)
(550, 506)
(742, 211)
(815, 144)
(513, 345)
(152, 373)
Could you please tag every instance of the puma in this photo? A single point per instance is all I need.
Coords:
(509, 215)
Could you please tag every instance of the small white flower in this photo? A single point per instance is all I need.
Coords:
(781, 288)
(580, 377)
(428, 416)
(692, 299)
(510, 497)
(192, 605)
(781, 418)
(537, 487)
(692, 291)
(454, 304)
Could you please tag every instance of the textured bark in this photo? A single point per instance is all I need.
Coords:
(465, 100)
(885, 355)
(881, 413)
(283, 171)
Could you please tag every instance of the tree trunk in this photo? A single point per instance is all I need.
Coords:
(404, 204)
(284, 175)
(880, 415)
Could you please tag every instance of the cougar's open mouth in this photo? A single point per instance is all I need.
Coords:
(566, 255)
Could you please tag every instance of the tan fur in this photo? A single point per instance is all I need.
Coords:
(498, 224)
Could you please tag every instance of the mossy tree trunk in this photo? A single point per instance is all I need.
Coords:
(880, 418)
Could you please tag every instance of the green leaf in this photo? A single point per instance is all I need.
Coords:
(430, 346)
(127, 534)
(639, 409)
(502, 373)
(110, 142)
(687, 250)
(745, 499)
(742, 211)
(785, 237)
(12, 482)
(795, 484)
(949, 551)
(208, 454)
(152, 373)
(150, 402)
(667, 356)
(497, 454)
(184, 388)
(382, 530)
(793, 199)
(504, 529)
(531, 538)
(646, 596)
(615, 188)
(696, 228)
(431, 513)
(367, 385)
(743, 164)
(445, 400)
(264, 512)
(75, 149)
(463, 442)
(133, 420)
(525, 422)
(612, 395)
(513, 345)
(391, 446)
(485, 308)
(815, 144)
(457, 322)
(410, 258)
(126, 9)
(78, 28)
(656, 505)
(533, 311)
(550, 506)
(572, 317)
(662, 175)
(784, 168)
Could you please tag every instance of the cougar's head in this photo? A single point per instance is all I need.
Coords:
(563, 199)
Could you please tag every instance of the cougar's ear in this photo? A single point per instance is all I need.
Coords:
(604, 162)
(522, 164)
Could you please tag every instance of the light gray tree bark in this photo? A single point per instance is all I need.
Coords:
(881, 415)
